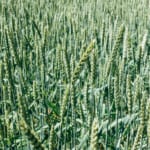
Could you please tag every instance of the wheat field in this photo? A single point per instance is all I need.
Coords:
(74, 75)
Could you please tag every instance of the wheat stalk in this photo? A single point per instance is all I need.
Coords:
(94, 135)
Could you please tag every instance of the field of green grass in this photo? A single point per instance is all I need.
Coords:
(74, 75)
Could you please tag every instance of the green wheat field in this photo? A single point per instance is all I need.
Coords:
(74, 75)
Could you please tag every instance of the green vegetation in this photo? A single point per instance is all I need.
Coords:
(74, 74)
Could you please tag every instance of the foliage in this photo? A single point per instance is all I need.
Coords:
(74, 74)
